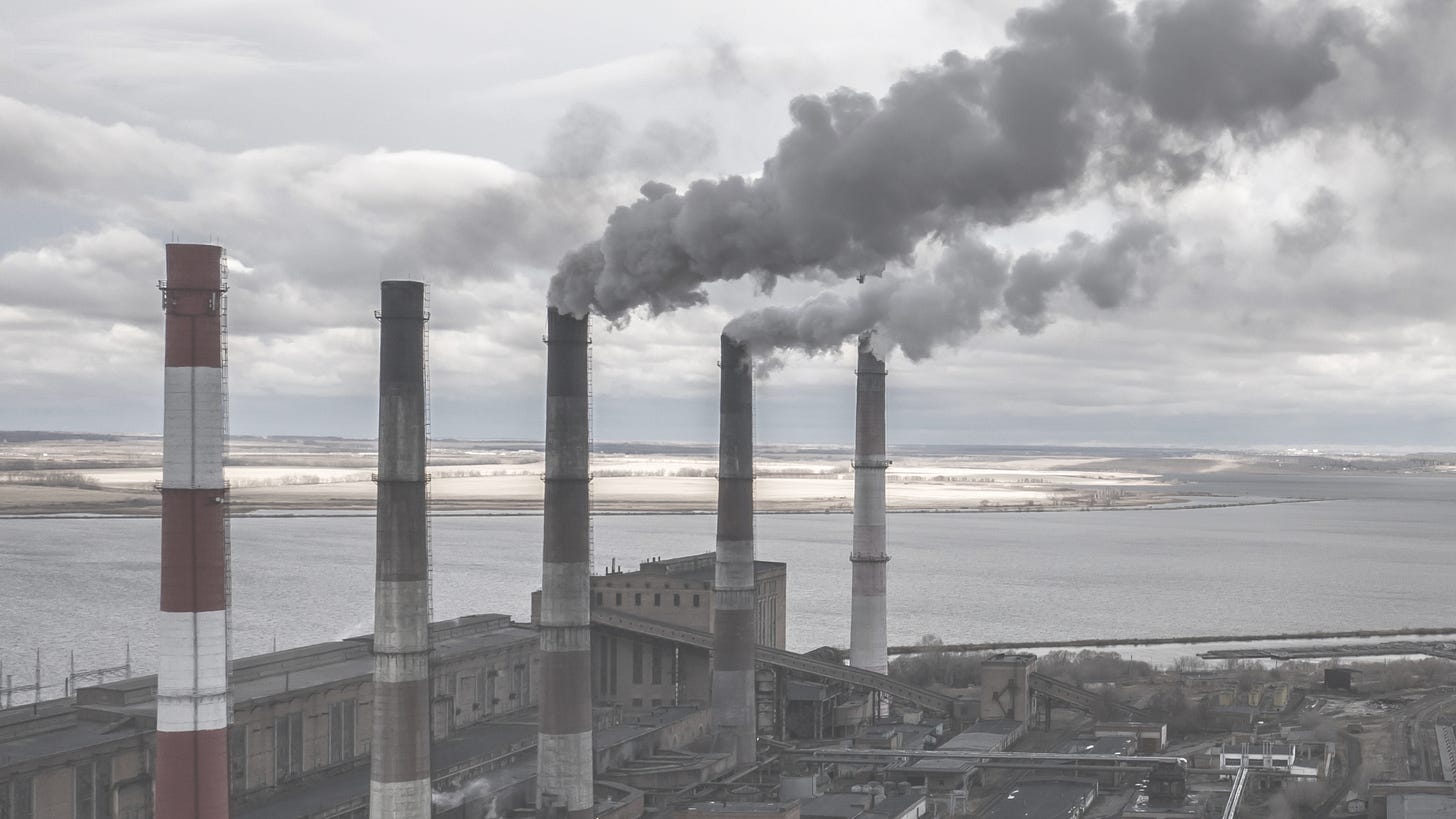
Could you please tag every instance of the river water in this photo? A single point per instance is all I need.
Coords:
(1371, 552)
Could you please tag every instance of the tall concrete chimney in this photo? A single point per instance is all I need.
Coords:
(867, 642)
(564, 773)
(193, 704)
(399, 773)
(734, 598)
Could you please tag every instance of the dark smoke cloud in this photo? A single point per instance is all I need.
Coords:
(971, 284)
(1085, 96)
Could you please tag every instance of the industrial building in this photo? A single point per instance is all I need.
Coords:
(667, 688)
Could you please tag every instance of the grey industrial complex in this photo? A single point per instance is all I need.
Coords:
(662, 690)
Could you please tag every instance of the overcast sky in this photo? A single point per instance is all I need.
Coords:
(1294, 287)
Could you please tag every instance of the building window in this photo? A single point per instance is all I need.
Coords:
(238, 758)
(490, 695)
(520, 689)
(599, 598)
(697, 601)
(656, 664)
(619, 598)
(657, 599)
(612, 672)
(636, 662)
(287, 747)
(341, 731)
(17, 800)
(638, 601)
(677, 600)
(93, 790)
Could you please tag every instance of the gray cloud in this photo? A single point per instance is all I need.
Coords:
(1083, 90)
(970, 284)
(1324, 220)
(502, 229)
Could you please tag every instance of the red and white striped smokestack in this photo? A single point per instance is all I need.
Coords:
(564, 770)
(399, 772)
(867, 641)
(193, 705)
(734, 597)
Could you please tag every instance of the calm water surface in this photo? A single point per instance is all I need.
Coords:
(1376, 552)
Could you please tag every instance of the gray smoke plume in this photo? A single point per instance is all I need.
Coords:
(971, 283)
(1085, 97)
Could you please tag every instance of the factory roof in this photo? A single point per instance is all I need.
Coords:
(126, 708)
(1123, 745)
(489, 740)
(694, 567)
(1420, 806)
(836, 805)
(893, 807)
(1047, 799)
(986, 735)
(64, 735)
(767, 808)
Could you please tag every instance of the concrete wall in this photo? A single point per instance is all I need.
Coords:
(1006, 686)
(681, 678)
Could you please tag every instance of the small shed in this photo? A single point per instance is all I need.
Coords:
(1340, 679)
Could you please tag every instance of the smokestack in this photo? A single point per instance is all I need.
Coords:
(734, 633)
(399, 773)
(867, 642)
(564, 748)
(193, 705)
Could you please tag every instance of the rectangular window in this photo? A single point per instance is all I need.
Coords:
(287, 747)
(599, 598)
(657, 598)
(85, 791)
(619, 598)
(92, 782)
(490, 693)
(697, 601)
(677, 600)
(238, 758)
(518, 685)
(22, 799)
(636, 662)
(103, 789)
(612, 674)
(18, 801)
(638, 601)
(341, 731)
(656, 664)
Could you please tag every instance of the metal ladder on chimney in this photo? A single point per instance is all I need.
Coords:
(591, 432)
(429, 547)
(227, 527)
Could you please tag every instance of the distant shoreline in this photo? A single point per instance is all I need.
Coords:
(366, 512)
